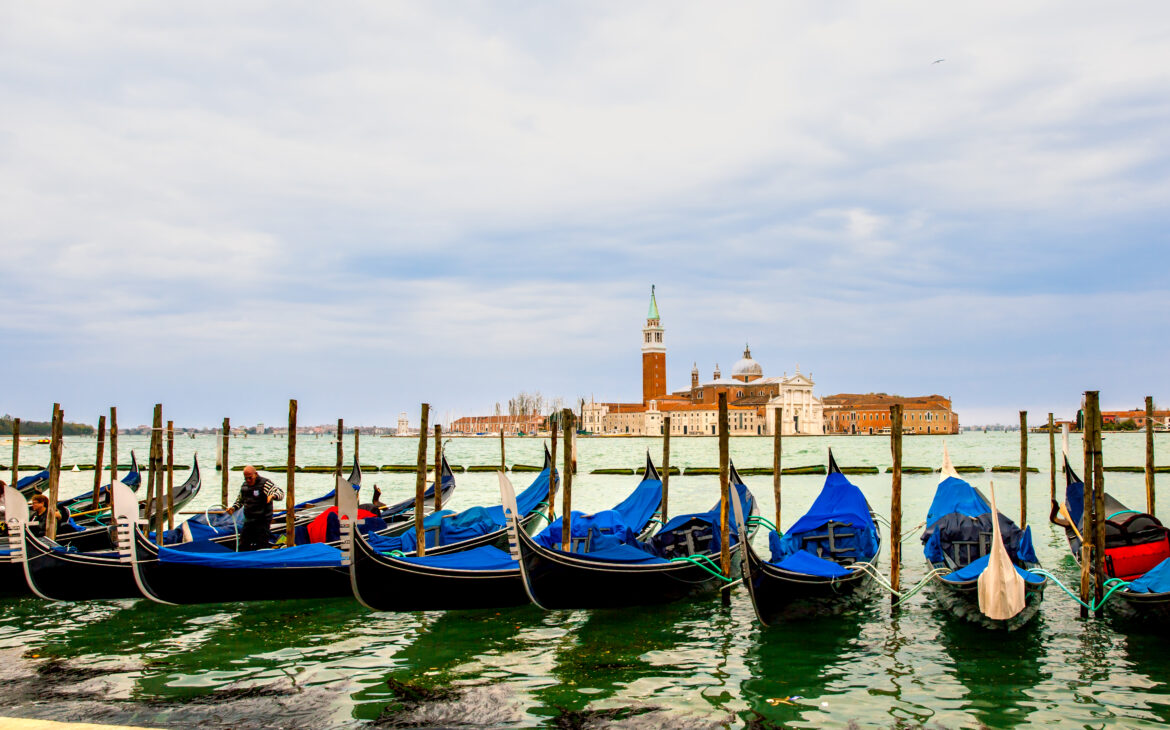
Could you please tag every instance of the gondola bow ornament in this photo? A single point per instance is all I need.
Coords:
(1001, 588)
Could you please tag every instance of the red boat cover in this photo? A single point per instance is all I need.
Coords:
(317, 528)
(1133, 561)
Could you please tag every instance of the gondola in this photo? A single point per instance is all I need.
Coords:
(958, 539)
(448, 532)
(55, 573)
(33, 483)
(818, 567)
(172, 575)
(99, 536)
(1137, 550)
(12, 582)
(482, 577)
(680, 560)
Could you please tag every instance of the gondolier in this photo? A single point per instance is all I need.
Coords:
(257, 494)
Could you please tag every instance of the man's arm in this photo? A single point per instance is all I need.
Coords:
(272, 491)
(239, 501)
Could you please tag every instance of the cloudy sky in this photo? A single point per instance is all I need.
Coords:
(367, 205)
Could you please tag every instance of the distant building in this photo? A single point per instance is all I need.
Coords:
(1161, 418)
(869, 413)
(511, 425)
(755, 403)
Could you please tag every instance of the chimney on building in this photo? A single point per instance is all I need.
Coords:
(717, 373)
(695, 376)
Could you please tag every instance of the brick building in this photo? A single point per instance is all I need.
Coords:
(512, 425)
(869, 413)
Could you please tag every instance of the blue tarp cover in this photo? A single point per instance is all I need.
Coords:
(806, 563)
(1155, 581)
(1023, 552)
(973, 570)
(301, 556)
(637, 509)
(955, 495)
(40, 476)
(1074, 500)
(839, 501)
(480, 558)
(625, 554)
(607, 528)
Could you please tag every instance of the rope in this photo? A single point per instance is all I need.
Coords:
(761, 520)
(881, 519)
(872, 571)
(1114, 584)
(1123, 512)
(910, 533)
(921, 584)
(701, 560)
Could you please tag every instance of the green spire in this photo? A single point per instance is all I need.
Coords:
(653, 314)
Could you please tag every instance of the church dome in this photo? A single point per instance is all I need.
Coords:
(747, 367)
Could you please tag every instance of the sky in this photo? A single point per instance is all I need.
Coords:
(367, 205)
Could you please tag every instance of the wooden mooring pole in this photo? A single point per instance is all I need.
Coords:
(290, 492)
(776, 466)
(1150, 454)
(567, 494)
(420, 481)
(15, 451)
(896, 500)
(170, 475)
(503, 452)
(724, 498)
(154, 477)
(98, 461)
(160, 514)
(1051, 461)
(113, 460)
(1099, 514)
(50, 522)
(438, 467)
(356, 444)
(223, 460)
(552, 427)
(1023, 469)
(665, 468)
(1087, 505)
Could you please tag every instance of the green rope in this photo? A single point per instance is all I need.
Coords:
(1114, 584)
(396, 554)
(700, 561)
(759, 520)
(653, 519)
(1123, 512)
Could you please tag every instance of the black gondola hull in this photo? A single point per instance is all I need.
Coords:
(65, 576)
(557, 580)
(780, 595)
(384, 584)
(182, 583)
(962, 600)
(12, 582)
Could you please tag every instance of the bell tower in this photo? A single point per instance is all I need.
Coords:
(653, 355)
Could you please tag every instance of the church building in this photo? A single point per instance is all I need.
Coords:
(757, 405)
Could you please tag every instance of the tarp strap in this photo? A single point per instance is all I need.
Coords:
(755, 520)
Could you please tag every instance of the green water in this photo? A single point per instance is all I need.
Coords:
(334, 664)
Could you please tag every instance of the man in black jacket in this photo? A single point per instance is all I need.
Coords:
(256, 496)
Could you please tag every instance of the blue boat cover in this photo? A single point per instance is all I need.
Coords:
(806, 563)
(955, 495)
(407, 542)
(302, 556)
(1155, 581)
(839, 501)
(625, 553)
(603, 529)
(40, 476)
(1074, 500)
(486, 557)
(973, 570)
(642, 504)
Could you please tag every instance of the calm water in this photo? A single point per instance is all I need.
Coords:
(335, 664)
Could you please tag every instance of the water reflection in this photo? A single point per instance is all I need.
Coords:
(999, 670)
(792, 666)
